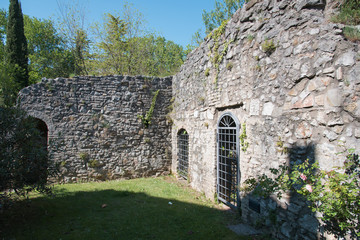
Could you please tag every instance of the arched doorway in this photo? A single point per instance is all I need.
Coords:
(183, 153)
(228, 175)
(42, 127)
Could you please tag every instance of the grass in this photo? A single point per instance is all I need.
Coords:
(352, 34)
(152, 208)
(349, 13)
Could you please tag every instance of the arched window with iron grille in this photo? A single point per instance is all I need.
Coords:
(183, 153)
(228, 160)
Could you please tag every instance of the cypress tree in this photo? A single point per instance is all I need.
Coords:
(16, 55)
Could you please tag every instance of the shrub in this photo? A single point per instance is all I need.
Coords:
(229, 66)
(24, 162)
(207, 72)
(94, 163)
(84, 156)
(268, 46)
(335, 194)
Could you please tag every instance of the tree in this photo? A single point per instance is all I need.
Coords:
(72, 26)
(80, 52)
(3, 23)
(213, 19)
(49, 55)
(114, 44)
(126, 47)
(16, 54)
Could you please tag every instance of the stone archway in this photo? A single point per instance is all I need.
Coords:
(44, 132)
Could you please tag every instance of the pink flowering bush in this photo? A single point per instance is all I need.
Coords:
(335, 194)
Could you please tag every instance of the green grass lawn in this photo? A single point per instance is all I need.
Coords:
(151, 208)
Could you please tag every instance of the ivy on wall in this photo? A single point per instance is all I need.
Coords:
(146, 120)
(216, 57)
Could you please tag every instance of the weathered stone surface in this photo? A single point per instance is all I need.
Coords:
(268, 109)
(346, 59)
(303, 130)
(310, 223)
(255, 107)
(304, 94)
(98, 117)
(333, 98)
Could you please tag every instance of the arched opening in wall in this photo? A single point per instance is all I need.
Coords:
(228, 175)
(43, 129)
(183, 153)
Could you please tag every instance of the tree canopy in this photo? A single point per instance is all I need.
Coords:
(68, 46)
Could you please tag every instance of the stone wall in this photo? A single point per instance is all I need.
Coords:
(287, 73)
(94, 129)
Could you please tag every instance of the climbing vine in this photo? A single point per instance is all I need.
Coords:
(216, 57)
(243, 136)
(146, 120)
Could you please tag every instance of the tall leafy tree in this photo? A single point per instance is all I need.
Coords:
(16, 54)
(49, 54)
(127, 47)
(73, 29)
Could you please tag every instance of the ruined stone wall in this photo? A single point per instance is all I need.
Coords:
(94, 129)
(289, 74)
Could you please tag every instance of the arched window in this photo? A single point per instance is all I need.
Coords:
(183, 153)
(228, 160)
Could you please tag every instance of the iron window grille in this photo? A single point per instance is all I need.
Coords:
(228, 161)
(183, 153)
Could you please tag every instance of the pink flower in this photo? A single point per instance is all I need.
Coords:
(308, 187)
(303, 177)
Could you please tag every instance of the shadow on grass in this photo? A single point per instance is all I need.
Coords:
(126, 215)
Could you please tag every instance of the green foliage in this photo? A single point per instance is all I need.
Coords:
(24, 162)
(349, 13)
(268, 46)
(243, 136)
(84, 156)
(217, 57)
(73, 31)
(335, 194)
(229, 66)
(223, 11)
(16, 56)
(125, 47)
(3, 23)
(48, 53)
(146, 120)
(281, 147)
(93, 163)
(250, 37)
(352, 34)
(121, 45)
(207, 72)
(213, 19)
(8, 88)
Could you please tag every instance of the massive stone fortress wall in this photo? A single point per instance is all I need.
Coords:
(287, 73)
(94, 129)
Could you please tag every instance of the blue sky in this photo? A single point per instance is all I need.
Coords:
(176, 20)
